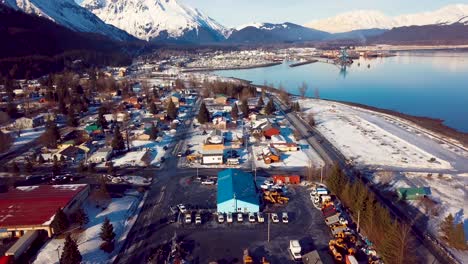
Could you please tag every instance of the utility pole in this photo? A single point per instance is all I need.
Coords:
(268, 216)
(321, 175)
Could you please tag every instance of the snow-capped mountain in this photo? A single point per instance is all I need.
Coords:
(274, 33)
(158, 20)
(69, 14)
(368, 19)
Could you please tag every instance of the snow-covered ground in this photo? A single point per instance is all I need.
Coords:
(122, 213)
(401, 150)
(154, 149)
(371, 139)
(26, 136)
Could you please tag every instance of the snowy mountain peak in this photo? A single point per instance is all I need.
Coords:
(157, 19)
(69, 14)
(368, 19)
(265, 26)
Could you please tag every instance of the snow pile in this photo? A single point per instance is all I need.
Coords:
(121, 212)
(27, 135)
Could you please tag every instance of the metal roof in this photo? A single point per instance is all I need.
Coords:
(35, 205)
(234, 183)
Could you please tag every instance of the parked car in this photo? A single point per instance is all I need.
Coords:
(229, 218)
(284, 218)
(260, 218)
(220, 218)
(275, 218)
(158, 165)
(179, 154)
(198, 220)
(252, 218)
(240, 217)
(208, 182)
(182, 208)
(165, 147)
(188, 218)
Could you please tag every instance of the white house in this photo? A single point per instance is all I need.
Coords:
(101, 155)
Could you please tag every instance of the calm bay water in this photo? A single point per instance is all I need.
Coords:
(432, 84)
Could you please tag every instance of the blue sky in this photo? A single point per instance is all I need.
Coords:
(237, 12)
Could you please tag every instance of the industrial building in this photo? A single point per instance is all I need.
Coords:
(237, 192)
(34, 207)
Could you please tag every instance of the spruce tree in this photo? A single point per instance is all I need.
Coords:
(72, 121)
(51, 135)
(245, 108)
(102, 121)
(260, 103)
(171, 110)
(235, 112)
(81, 217)
(70, 254)
(270, 107)
(118, 143)
(60, 222)
(153, 109)
(459, 239)
(203, 114)
(153, 133)
(107, 231)
(447, 227)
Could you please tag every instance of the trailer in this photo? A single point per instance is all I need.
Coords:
(331, 220)
(287, 179)
(23, 244)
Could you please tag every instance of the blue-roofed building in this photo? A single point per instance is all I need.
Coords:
(237, 192)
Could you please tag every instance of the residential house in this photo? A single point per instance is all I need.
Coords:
(73, 153)
(101, 155)
(26, 123)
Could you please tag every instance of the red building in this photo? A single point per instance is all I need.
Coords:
(33, 207)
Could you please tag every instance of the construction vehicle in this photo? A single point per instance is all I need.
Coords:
(335, 219)
(337, 255)
(274, 197)
(247, 258)
(295, 249)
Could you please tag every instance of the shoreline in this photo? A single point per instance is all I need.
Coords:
(432, 124)
(303, 63)
(264, 65)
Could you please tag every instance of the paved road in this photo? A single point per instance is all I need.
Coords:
(428, 249)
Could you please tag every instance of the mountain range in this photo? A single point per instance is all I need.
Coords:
(170, 21)
(369, 19)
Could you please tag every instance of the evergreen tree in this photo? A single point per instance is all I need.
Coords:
(270, 107)
(70, 254)
(447, 227)
(101, 121)
(245, 108)
(60, 222)
(72, 121)
(11, 110)
(51, 135)
(235, 112)
(153, 133)
(171, 110)
(203, 114)
(107, 231)
(81, 217)
(260, 103)
(28, 167)
(153, 109)
(5, 142)
(15, 169)
(459, 239)
(118, 143)
(56, 167)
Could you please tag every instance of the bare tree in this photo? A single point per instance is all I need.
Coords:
(303, 89)
(311, 119)
(317, 93)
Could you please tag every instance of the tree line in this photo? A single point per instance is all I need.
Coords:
(392, 239)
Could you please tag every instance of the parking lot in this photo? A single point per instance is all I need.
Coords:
(225, 242)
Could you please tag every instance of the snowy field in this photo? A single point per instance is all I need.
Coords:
(154, 149)
(399, 146)
(370, 139)
(122, 213)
